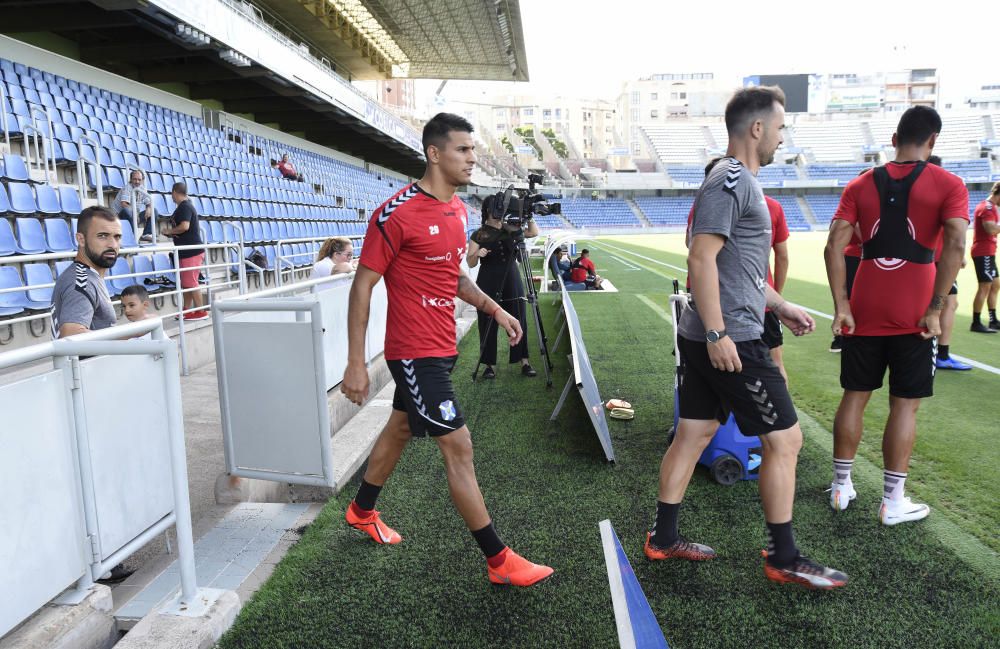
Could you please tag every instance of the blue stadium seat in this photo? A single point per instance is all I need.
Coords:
(14, 168)
(37, 275)
(22, 199)
(30, 236)
(11, 304)
(8, 243)
(118, 284)
(48, 200)
(58, 236)
(128, 235)
(165, 268)
(144, 264)
(69, 201)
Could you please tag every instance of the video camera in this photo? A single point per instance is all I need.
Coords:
(515, 207)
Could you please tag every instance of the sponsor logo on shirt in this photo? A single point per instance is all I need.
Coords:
(891, 263)
(437, 302)
(446, 257)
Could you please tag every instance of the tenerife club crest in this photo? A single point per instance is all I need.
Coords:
(447, 409)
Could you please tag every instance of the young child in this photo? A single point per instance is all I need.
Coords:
(135, 301)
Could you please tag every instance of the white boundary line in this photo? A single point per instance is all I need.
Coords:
(820, 314)
(623, 621)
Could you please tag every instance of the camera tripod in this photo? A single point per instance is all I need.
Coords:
(531, 297)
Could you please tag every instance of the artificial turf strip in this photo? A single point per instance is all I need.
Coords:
(547, 487)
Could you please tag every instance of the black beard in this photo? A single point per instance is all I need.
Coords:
(99, 260)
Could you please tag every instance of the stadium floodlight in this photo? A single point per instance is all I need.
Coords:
(361, 19)
(191, 35)
(234, 58)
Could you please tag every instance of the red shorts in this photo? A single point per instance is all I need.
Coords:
(189, 278)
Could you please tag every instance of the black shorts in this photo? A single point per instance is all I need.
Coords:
(986, 268)
(424, 392)
(772, 336)
(758, 396)
(909, 358)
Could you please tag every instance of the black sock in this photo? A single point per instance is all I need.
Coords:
(943, 352)
(664, 532)
(367, 494)
(781, 550)
(975, 317)
(993, 315)
(489, 541)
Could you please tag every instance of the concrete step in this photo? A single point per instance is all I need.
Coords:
(227, 556)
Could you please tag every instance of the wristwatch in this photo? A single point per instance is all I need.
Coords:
(713, 336)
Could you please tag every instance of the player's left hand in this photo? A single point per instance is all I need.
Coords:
(932, 323)
(798, 321)
(510, 325)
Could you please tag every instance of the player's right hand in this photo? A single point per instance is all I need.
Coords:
(355, 384)
(843, 322)
(724, 356)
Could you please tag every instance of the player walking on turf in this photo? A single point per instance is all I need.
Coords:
(723, 358)
(984, 250)
(416, 242)
(893, 314)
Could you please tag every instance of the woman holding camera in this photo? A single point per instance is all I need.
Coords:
(492, 247)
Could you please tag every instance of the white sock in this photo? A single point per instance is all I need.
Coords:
(842, 471)
(893, 482)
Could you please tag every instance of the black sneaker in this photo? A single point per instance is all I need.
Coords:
(488, 373)
(980, 328)
(994, 324)
(806, 572)
(117, 575)
(837, 345)
(528, 370)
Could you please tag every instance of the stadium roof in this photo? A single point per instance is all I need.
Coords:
(414, 39)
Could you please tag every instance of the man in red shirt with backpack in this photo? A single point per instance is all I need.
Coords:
(416, 242)
(892, 317)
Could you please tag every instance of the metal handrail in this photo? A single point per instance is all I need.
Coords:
(3, 114)
(279, 258)
(81, 167)
(34, 110)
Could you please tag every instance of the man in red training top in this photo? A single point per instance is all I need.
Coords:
(893, 315)
(416, 242)
(773, 335)
(984, 250)
(583, 271)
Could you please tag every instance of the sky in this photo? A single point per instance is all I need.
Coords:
(586, 48)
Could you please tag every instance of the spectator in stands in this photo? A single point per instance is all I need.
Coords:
(415, 242)
(944, 360)
(185, 232)
(724, 363)
(335, 256)
(287, 169)
(583, 271)
(500, 278)
(984, 250)
(80, 300)
(892, 318)
(135, 302)
(122, 205)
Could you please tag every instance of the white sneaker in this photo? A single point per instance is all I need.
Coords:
(893, 512)
(841, 496)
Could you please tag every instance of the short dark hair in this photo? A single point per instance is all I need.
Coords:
(437, 129)
(136, 290)
(584, 252)
(93, 212)
(995, 189)
(180, 188)
(141, 173)
(934, 160)
(917, 125)
(749, 103)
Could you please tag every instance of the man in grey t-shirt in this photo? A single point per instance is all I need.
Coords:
(80, 300)
(122, 203)
(724, 364)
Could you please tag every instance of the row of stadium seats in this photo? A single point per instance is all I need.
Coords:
(610, 212)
